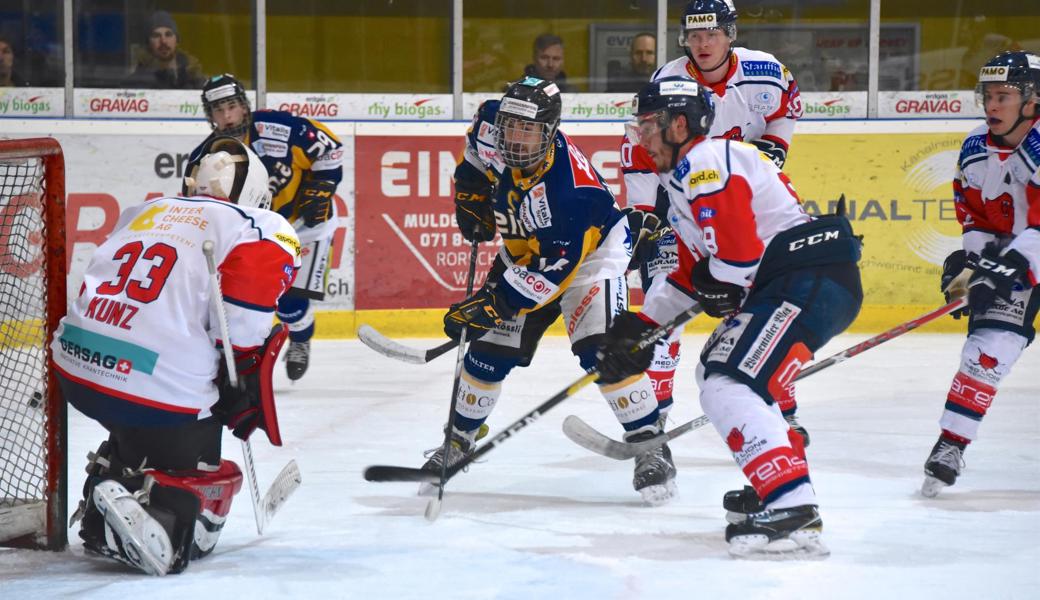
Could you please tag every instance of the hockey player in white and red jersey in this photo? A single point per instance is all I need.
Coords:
(997, 197)
(140, 352)
(784, 283)
(566, 247)
(756, 101)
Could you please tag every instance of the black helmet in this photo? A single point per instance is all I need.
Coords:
(529, 100)
(224, 88)
(1018, 69)
(660, 101)
(708, 14)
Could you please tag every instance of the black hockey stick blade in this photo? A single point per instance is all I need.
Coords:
(388, 347)
(584, 435)
(387, 473)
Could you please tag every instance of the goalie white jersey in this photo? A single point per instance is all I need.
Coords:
(143, 328)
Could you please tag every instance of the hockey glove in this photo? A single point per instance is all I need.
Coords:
(479, 313)
(995, 277)
(645, 230)
(953, 266)
(617, 358)
(475, 209)
(718, 298)
(314, 201)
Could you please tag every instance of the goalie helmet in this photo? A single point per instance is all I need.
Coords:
(225, 88)
(527, 119)
(229, 170)
(1016, 69)
(708, 14)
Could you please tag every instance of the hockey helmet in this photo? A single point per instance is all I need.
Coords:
(657, 104)
(528, 116)
(225, 88)
(708, 14)
(1016, 69)
(229, 170)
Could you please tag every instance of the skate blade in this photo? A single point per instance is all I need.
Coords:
(735, 518)
(800, 545)
(427, 489)
(659, 495)
(932, 486)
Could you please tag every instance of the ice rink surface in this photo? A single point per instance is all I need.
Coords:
(543, 518)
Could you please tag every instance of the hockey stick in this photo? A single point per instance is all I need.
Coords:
(289, 478)
(384, 473)
(587, 437)
(433, 508)
(388, 347)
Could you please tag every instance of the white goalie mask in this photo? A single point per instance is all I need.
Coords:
(231, 171)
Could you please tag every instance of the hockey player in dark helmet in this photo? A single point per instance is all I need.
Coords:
(996, 191)
(566, 247)
(528, 116)
(226, 105)
(1006, 111)
(654, 108)
(707, 30)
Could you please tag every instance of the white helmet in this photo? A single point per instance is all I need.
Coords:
(229, 170)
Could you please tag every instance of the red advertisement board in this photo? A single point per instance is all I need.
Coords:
(409, 252)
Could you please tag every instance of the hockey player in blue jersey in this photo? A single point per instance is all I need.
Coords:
(304, 164)
(566, 248)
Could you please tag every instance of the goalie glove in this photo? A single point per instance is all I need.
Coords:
(645, 229)
(995, 277)
(616, 360)
(314, 201)
(951, 285)
(475, 209)
(479, 313)
(718, 298)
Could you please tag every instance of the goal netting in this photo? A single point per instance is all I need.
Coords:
(32, 301)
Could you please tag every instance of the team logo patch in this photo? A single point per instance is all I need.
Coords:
(535, 212)
(273, 131)
(761, 68)
(682, 169)
(704, 214)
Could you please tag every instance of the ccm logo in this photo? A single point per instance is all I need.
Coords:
(812, 240)
(996, 268)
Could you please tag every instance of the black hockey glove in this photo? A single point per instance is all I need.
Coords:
(994, 277)
(239, 408)
(616, 360)
(314, 201)
(773, 151)
(718, 298)
(954, 264)
(646, 228)
(480, 312)
(475, 209)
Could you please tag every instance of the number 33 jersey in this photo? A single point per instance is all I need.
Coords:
(144, 329)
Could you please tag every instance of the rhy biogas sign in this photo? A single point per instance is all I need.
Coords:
(594, 107)
(32, 102)
(834, 105)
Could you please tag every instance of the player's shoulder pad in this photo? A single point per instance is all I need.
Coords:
(704, 170)
(276, 229)
(760, 65)
(974, 146)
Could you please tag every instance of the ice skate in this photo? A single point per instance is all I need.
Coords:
(654, 476)
(462, 445)
(943, 466)
(779, 534)
(297, 359)
(144, 542)
(741, 503)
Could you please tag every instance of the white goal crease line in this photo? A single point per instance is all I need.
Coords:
(418, 256)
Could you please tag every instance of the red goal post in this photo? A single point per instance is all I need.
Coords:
(33, 429)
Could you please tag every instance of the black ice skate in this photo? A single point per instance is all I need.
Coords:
(943, 466)
(654, 476)
(297, 359)
(792, 421)
(741, 503)
(462, 445)
(782, 533)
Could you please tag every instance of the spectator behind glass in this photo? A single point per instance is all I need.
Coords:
(642, 57)
(162, 65)
(8, 77)
(547, 61)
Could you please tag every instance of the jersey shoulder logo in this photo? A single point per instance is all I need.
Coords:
(581, 169)
(703, 177)
(274, 131)
(535, 212)
(761, 68)
(146, 220)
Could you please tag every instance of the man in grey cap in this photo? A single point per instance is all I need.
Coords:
(162, 65)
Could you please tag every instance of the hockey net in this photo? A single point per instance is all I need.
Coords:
(32, 301)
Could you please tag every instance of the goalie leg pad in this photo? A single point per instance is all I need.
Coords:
(272, 347)
(199, 499)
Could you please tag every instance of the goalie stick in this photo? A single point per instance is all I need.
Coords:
(386, 473)
(584, 435)
(388, 347)
(289, 478)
